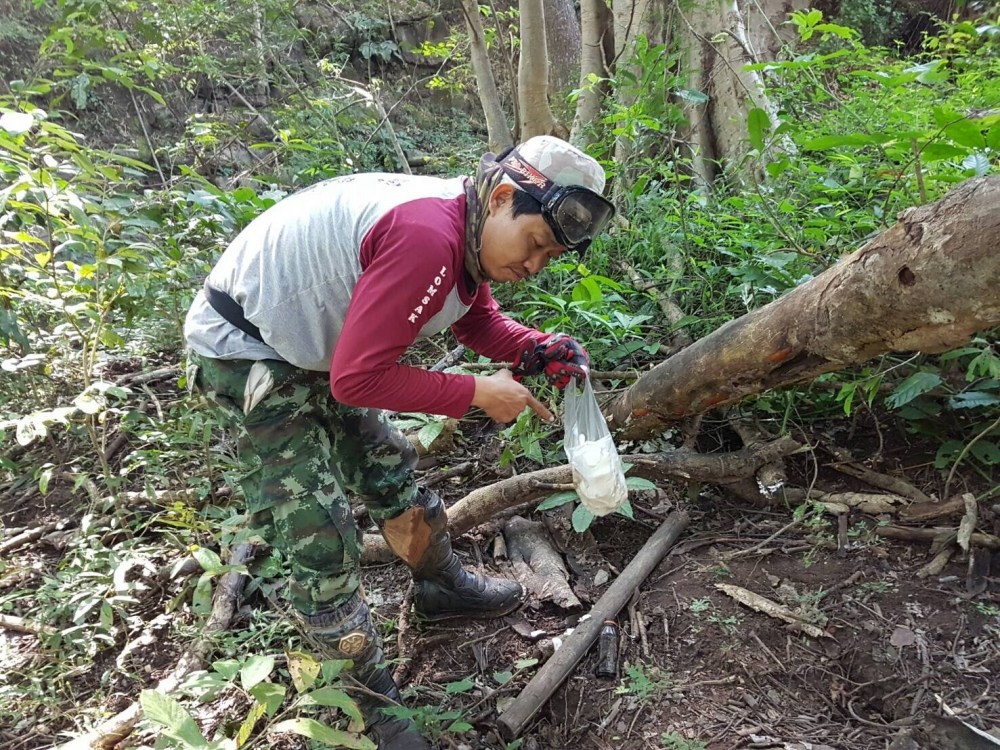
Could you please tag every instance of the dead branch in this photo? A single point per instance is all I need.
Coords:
(907, 534)
(519, 492)
(224, 605)
(847, 464)
(771, 609)
(20, 625)
(27, 537)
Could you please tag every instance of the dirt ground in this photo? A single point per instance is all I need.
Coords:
(892, 651)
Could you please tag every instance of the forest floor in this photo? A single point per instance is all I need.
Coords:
(698, 671)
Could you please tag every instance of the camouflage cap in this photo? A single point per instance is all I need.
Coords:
(562, 163)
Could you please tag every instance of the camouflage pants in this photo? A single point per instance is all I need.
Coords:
(302, 450)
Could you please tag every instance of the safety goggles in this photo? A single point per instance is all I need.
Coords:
(576, 214)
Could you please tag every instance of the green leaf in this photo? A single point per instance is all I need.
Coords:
(559, 498)
(986, 451)
(973, 400)
(462, 686)
(270, 695)
(429, 433)
(582, 518)
(176, 721)
(316, 730)
(502, 678)
(626, 510)
(638, 483)
(993, 137)
(937, 151)
(256, 670)
(834, 141)
(966, 133)
(917, 384)
(201, 600)
(459, 726)
(228, 668)
(336, 698)
(209, 561)
(758, 125)
(691, 96)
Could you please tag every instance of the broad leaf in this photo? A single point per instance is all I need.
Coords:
(316, 730)
(270, 695)
(335, 698)
(917, 384)
(758, 125)
(256, 670)
(582, 518)
(638, 483)
(559, 498)
(172, 716)
(303, 669)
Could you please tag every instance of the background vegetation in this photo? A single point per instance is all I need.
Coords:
(137, 138)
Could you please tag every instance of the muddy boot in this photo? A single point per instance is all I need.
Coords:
(348, 632)
(419, 536)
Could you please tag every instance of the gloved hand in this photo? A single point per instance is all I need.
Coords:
(561, 358)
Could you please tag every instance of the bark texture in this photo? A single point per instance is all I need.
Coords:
(721, 38)
(926, 284)
(533, 76)
(562, 40)
(595, 27)
(498, 132)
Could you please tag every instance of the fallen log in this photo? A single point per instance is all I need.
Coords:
(520, 492)
(224, 604)
(926, 284)
(552, 674)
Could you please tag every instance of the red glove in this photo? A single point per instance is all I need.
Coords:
(561, 358)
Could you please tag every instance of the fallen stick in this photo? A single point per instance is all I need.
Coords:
(112, 731)
(771, 609)
(977, 539)
(20, 625)
(27, 537)
(552, 674)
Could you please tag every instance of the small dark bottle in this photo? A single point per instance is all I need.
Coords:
(607, 651)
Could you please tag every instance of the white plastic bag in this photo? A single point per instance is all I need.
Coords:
(597, 470)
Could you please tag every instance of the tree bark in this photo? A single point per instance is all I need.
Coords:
(533, 76)
(562, 40)
(926, 284)
(721, 38)
(498, 132)
(595, 26)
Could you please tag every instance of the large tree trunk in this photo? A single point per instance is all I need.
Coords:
(497, 129)
(926, 284)
(562, 40)
(533, 76)
(595, 25)
(721, 38)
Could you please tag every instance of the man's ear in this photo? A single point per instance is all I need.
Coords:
(502, 194)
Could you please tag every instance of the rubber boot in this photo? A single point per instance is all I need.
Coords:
(444, 589)
(348, 632)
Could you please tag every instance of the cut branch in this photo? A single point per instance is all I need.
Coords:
(926, 284)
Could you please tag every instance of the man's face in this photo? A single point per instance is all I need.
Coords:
(514, 249)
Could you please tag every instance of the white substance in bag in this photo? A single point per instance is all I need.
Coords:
(597, 470)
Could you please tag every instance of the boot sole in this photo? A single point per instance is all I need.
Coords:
(480, 615)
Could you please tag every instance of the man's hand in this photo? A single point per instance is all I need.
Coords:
(503, 399)
(561, 358)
